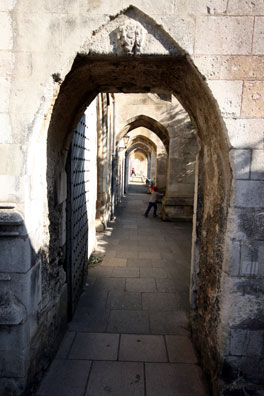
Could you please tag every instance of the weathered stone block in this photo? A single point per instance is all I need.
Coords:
(238, 343)
(257, 165)
(200, 7)
(27, 288)
(71, 30)
(251, 258)
(224, 35)
(46, 32)
(12, 311)
(5, 129)
(181, 29)
(6, 34)
(15, 255)
(244, 7)
(10, 218)
(254, 369)
(246, 133)
(247, 223)
(12, 363)
(228, 95)
(11, 159)
(87, 24)
(12, 338)
(26, 67)
(249, 193)
(12, 386)
(241, 160)
(245, 300)
(181, 189)
(6, 63)
(161, 7)
(255, 343)
(237, 67)
(48, 6)
(5, 85)
(7, 5)
(99, 8)
(232, 264)
(66, 377)
(258, 36)
(10, 187)
(148, 348)
(253, 99)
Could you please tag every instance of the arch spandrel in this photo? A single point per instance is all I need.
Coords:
(130, 33)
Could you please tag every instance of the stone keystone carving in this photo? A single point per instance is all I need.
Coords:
(130, 37)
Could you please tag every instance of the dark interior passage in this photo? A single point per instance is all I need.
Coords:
(129, 334)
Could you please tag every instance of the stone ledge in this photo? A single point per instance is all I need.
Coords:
(10, 219)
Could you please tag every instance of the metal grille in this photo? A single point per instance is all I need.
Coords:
(77, 213)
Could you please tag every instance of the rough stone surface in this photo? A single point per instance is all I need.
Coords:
(253, 99)
(258, 36)
(257, 165)
(180, 350)
(230, 67)
(201, 7)
(246, 133)
(67, 377)
(164, 379)
(119, 378)
(143, 348)
(238, 7)
(213, 35)
(98, 347)
(182, 29)
(249, 194)
(242, 160)
(6, 34)
(228, 95)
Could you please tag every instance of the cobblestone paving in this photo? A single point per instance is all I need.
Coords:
(129, 335)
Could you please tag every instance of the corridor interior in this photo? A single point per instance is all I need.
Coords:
(129, 335)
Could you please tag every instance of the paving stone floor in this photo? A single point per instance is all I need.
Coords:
(129, 335)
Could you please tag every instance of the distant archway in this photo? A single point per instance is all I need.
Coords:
(148, 123)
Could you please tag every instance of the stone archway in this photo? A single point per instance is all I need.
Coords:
(150, 149)
(148, 123)
(155, 63)
(156, 131)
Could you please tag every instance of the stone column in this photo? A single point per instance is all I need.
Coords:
(161, 170)
(178, 201)
(153, 166)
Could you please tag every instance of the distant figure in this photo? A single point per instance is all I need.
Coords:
(133, 173)
(153, 201)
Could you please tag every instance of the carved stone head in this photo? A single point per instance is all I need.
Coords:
(130, 37)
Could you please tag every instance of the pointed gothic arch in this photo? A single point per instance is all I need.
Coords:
(149, 123)
(156, 63)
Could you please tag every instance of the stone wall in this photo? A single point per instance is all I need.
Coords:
(46, 86)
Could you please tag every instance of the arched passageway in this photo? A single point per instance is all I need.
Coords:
(153, 139)
(165, 68)
(148, 123)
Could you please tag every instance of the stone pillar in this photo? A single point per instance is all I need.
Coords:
(153, 166)
(178, 201)
(104, 159)
(161, 170)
